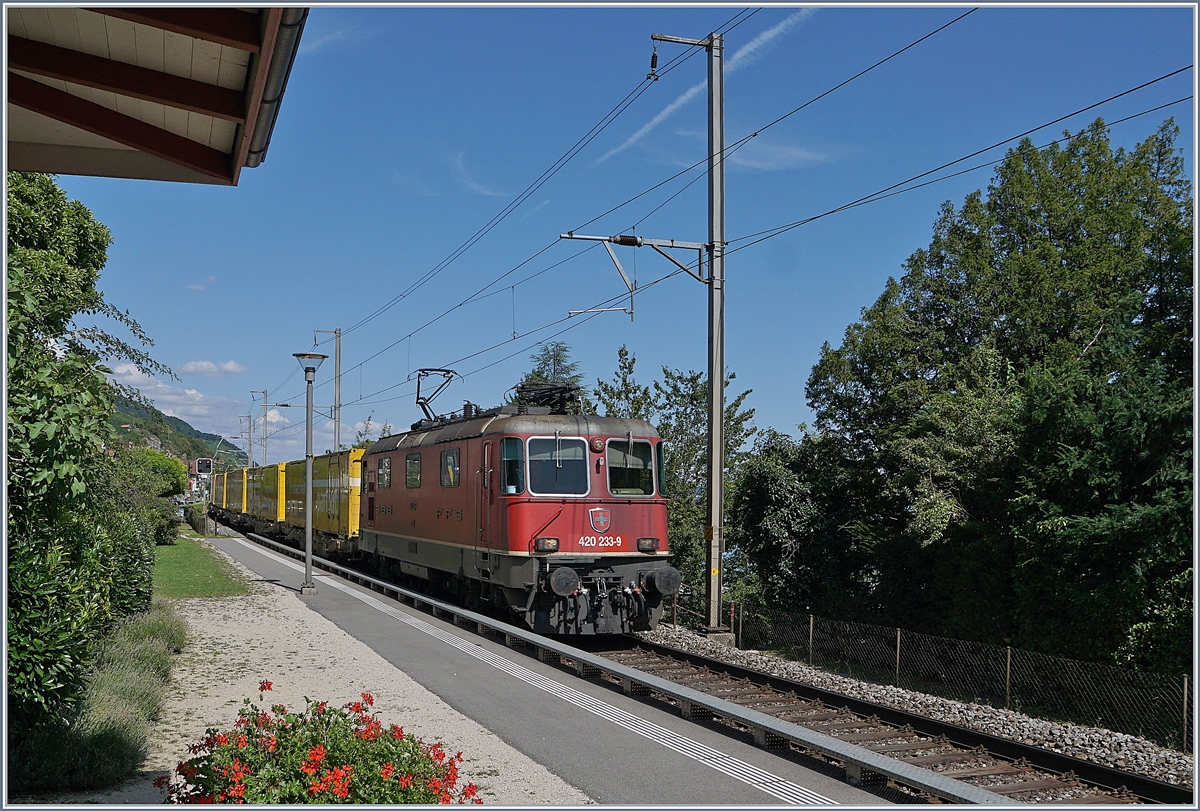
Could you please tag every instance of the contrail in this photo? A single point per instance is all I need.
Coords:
(742, 57)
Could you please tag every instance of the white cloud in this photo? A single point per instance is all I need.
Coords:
(773, 157)
(744, 56)
(207, 368)
(320, 42)
(470, 182)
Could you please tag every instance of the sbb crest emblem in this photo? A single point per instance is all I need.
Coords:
(601, 518)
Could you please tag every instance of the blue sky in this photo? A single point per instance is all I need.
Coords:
(405, 130)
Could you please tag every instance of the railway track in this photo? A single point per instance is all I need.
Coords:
(844, 733)
(1014, 770)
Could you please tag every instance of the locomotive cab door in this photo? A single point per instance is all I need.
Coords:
(484, 559)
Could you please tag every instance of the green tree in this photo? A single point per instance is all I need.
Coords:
(68, 549)
(787, 519)
(552, 364)
(624, 396)
(1013, 415)
(681, 401)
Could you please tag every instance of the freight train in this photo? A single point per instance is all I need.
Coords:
(557, 518)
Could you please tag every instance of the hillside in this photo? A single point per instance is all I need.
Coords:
(173, 436)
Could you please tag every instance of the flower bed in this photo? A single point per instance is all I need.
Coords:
(320, 755)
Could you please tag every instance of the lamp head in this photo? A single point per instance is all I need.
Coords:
(309, 361)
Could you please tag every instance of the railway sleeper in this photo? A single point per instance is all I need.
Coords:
(932, 743)
(855, 723)
(984, 771)
(867, 737)
(948, 757)
(1032, 785)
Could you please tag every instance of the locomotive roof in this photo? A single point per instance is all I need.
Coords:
(507, 423)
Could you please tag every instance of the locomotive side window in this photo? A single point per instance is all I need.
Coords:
(630, 470)
(412, 470)
(660, 464)
(385, 473)
(450, 468)
(512, 466)
(558, 467)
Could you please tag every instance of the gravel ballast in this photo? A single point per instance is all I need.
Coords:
(270, 634)
(1120, 751)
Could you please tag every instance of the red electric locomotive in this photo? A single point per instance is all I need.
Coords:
(558, 516)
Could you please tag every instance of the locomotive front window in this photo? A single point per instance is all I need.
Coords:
(558, 467)
(630, 470)
(512, 467)
(412, 470)
(385, 473)
(450, 468)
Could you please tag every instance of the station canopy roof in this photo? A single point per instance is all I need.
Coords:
(184, 94)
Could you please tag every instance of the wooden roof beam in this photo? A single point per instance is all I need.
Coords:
(125, 79)
(123, 129)
(225, 26)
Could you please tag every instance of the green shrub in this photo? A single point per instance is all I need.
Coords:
(107, 739)
(196, 516)
(58, 598)
(320, 755)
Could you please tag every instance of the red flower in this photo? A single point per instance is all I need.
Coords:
(397, 732)
(317, 753)
(161, 781)
(264, 685)
(370, 699)
(387, 771)
(204, 798)
(405, 781)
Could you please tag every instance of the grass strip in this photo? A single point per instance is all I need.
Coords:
(109, 739)
(190, 568)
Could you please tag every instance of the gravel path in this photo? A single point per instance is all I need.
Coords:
(271, 634)
(1115, 749)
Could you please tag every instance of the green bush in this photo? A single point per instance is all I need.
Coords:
(108, 738)
(196, 516)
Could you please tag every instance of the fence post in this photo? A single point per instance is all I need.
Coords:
(810, 640)
(674, 609)
(741, 614)
(732, 624)
(1185, 712)
(897, 679)
(1007, 674)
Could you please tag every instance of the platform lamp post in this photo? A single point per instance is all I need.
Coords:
(309, 362)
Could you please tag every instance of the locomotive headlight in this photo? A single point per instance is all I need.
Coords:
(546, 544)
(647, 544)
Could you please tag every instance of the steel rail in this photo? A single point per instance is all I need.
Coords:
(1087, 771)
(769, 732)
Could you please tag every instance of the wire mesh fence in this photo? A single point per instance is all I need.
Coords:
(1155, 706)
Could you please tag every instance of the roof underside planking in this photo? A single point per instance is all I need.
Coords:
(182, 94)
